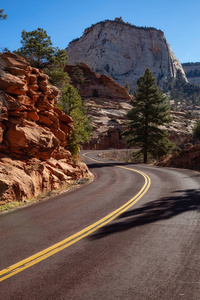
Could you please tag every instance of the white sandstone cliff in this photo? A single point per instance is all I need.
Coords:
(124, 51)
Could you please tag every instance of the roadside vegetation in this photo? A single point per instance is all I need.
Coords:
(196, 131)
(124, 155)
(38, 50)
(183, 94)
(149, 112)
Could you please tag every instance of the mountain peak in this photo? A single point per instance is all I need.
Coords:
(124, 51)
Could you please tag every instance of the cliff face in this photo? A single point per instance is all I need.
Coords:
(33, 133)
(108, 103)
(192, 71)
(92, 84)
(123, 52)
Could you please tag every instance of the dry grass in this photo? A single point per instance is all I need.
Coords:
(125, 155)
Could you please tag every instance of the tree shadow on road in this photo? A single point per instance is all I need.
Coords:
(108, 164)
(164, 208)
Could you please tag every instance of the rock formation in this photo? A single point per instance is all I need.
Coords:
(124, 51)
(192, 71)
(91, 84)
(188, 158)
(34, 157)
(181, 128)
(108, 104)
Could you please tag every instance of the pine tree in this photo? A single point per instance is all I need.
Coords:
(37, 48)
(127, 87)
(3, 16)
(73, 105)
(145, 118)
(196, 130)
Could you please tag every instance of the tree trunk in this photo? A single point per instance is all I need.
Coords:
(145, 156)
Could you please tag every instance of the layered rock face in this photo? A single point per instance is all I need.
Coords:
(124, 51)
(91, 84)
(108, 103)
(34, 157)
(181, 128)
(192, 71)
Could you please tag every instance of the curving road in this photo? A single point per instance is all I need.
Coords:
(150, 251)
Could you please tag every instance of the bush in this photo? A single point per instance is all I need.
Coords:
(176, 150)
(196, 131)
(188, 145)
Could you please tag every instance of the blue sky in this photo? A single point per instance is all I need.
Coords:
(65, 20)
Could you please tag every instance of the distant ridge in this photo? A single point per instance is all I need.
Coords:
(192, 71)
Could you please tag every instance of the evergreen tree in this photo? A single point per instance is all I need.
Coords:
(127, 87)
(57, 77)
(37, 48)
(3, 16)
(147, 115)
(60, 58)
(73, 105)
(55, 69)
(78, 75)
(196, 130)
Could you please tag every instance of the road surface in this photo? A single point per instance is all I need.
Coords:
(151, 250)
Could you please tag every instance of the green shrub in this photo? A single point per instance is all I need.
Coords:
(196, 130)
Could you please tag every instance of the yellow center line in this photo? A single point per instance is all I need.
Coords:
(36, 258)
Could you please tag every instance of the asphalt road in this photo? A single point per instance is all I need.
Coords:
(150, 251)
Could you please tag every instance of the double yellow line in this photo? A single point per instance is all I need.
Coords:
(34, 259)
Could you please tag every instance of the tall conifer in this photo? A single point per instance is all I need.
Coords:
(149, 112)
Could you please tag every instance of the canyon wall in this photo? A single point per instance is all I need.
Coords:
(34, 153)
(108, 104)
(192, 71)
(123, 52)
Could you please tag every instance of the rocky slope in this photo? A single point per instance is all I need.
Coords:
(91, 84)
(188, 158)
(181, 127)
(108, 104)
(124, 51)
(192, 71)
(34, 157)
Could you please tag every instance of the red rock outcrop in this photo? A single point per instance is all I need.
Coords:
(34, 157)
(107, 102)
(188, 158)
(91, 84)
